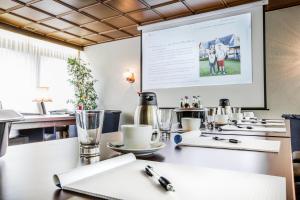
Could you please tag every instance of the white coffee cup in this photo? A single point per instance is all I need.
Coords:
(249, 115)
(137, 136)
(221, 119)
(190, 124)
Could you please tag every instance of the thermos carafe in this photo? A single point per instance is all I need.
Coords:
(146, 113)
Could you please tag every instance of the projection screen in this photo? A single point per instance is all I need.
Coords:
(214, 55)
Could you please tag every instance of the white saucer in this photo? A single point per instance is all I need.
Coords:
(138, 152)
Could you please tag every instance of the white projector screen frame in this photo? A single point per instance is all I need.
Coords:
(250, 96)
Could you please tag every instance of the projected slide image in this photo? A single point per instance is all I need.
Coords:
(220, 56)
(212, 52)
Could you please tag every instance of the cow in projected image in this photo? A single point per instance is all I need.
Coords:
(220, 56)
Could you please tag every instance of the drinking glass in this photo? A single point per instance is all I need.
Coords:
(165, 116)
(236, 109)
(211, 112)
(236, 115)
(89, 127)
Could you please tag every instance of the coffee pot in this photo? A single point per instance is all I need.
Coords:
(225, 104)
(146, 111)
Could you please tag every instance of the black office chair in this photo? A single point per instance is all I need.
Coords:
(111, 121)
(296, 165)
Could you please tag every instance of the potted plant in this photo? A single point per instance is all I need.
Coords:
(83, 82)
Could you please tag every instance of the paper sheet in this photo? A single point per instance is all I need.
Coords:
(79, 173)
(248, 144)
(268, 124)
(266, 120)
(129, 181)
(254, 129)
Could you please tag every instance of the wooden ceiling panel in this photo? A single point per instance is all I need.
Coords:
(78, 31)
(81, 42)
(57, 23)
(98, 26)
(77, 18)
(39, 28)
(97, 38)
(13, 20)
(30, 14)
(120, 21)
(28, 1)
(173, 9)
(87, 22)
(117, 34)
(126, 5)
(79, 3)
(156, 2)
(238, 2)
(145, 16)
(100, 11)
(61, 36)
(6, 4)
(205, 4)
(277, 4)
(51, 7)
(132, 30)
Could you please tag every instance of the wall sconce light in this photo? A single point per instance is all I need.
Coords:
(129, 76)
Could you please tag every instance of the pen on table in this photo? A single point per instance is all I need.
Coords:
(165, 183)
(235, 141)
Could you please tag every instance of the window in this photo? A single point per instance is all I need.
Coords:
(25, 65)
(53, 74)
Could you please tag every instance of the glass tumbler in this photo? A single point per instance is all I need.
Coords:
(89, 127)
(211, 112)
(165, 116)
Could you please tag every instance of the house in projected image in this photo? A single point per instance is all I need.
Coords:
(230, 44)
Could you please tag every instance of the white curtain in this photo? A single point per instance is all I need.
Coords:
(17, 80)
(25, 44)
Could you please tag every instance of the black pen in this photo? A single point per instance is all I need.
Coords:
(235, 141)
(165, 183)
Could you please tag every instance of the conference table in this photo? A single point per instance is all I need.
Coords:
(26, 170)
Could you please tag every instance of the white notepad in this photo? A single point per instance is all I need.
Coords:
(254, 129)
(193, 138)
(268, 124)
(266, 120)
(123, 177)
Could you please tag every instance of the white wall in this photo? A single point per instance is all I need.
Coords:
(111, 60)
(283, 61)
